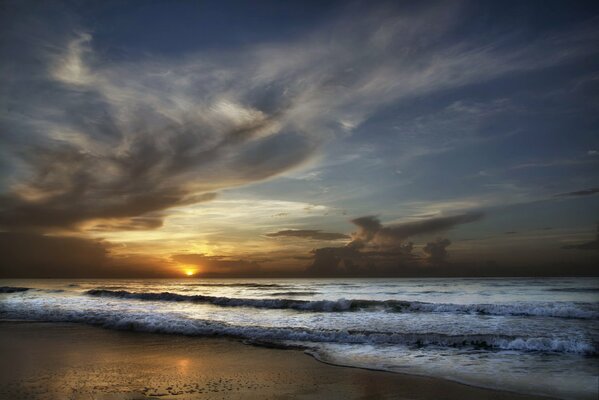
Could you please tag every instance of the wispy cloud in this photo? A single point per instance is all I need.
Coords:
(577, 193)
(120, 140)
(592, 245)
(371, 231)
(308, 234)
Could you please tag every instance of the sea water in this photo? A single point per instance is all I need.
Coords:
(538, 336)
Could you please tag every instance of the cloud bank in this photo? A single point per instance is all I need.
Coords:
(32, 255)
(376, 249)
(437, 251)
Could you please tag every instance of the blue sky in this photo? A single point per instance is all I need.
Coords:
(254, 137)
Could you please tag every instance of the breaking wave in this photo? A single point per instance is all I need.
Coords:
(557, 310)
(246, 285)
(176, 324)
(297, 293)
(575, 290)
(12, 289)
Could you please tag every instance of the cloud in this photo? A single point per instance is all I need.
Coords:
(94, 141)
(123, 139)
(585, 192)
(25, 254)
(147, 222)
(219, 266)
(437, 251)
(371, 231)
(331, 261)
(379, 250)
(308, 234)
(31, 255)
(592, 245)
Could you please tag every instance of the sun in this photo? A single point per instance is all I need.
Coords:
(189, 272)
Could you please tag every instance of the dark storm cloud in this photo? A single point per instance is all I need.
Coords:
(331, 261)
(379, 250)
(308, 234)
(437, 251)
(585, 192)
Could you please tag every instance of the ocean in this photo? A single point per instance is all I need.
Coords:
(528, 335)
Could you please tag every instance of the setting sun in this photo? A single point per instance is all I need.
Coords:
(189, 272)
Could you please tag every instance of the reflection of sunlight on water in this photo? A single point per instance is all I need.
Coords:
(183, 365)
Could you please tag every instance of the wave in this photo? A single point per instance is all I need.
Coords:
(176, 324)
(557, 310)
(248, 285)
(16, 289)
(298, 293)
(112, 287)
(299, 305)
(575, 290)
(12, 289)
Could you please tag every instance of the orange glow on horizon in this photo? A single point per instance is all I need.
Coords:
(189, 272)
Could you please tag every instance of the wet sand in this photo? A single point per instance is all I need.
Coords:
(71, 361)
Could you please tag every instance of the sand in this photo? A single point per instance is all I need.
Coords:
(72, 361)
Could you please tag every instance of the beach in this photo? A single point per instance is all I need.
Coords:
(528, 336)
(75, 361)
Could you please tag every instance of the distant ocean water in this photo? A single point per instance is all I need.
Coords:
(527, 335)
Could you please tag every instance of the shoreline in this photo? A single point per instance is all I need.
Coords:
(49, 360)
(384, 371)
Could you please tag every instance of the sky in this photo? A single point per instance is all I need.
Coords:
(299, 138)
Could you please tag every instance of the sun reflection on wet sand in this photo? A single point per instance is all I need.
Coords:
(183, 365)
(103, 365)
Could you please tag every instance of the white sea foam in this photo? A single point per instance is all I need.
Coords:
(177, 324)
